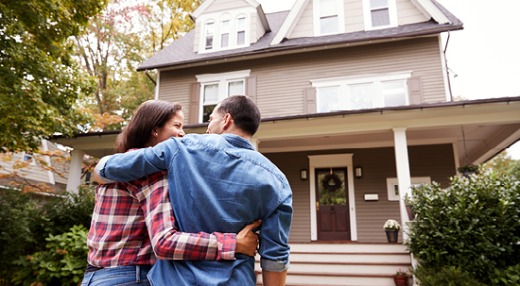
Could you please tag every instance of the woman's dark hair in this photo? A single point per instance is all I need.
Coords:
(148, 116)
(244, 111)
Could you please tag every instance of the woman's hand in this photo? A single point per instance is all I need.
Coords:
(247, 240)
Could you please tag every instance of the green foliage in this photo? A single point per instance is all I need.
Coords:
(63, 261)
(26, 225)
(509, 276)
(40, 82)
(19, 217)
(445, 276)
(473, 225)
(504, 164)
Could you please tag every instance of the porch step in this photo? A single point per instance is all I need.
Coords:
(350, 264)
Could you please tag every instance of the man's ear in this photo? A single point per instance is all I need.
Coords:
(228, 121)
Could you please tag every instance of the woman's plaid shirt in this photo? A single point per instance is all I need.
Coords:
(127, 215)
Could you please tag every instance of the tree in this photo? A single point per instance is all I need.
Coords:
(119, 40)
(504, 164)
(40, 81)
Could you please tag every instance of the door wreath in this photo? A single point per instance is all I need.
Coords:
(331, 183)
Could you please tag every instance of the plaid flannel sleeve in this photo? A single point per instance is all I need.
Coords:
(167, 242)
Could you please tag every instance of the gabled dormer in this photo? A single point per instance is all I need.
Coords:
(225, 25)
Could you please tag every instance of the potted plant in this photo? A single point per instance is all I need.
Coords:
(468, 170)
(400, 278)
(392, 228)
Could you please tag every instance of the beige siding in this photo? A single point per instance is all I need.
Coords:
(282, 81)
(60, 163)
(378, 164)
(304, 25)
(407, 13)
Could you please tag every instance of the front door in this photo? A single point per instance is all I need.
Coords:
(332, 204)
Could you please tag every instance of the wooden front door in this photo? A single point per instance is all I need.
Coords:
(332, 204)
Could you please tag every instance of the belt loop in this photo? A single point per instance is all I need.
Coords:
(137, 273)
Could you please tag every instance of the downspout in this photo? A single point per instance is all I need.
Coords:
(156, 90)
(446, 66)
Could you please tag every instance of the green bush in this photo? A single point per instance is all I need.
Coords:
(26, 221)
(62, 263)
(473, 225)
(445, 276)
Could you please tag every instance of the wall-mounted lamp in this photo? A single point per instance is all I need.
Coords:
(358, 172)
(303, 174)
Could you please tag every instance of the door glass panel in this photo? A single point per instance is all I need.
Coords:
(331, 188)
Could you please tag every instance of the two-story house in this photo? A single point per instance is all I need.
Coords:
(356, 108)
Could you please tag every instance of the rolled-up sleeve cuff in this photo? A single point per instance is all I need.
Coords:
(100, 169)
(274, 266)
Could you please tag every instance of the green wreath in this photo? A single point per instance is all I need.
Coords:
(331, 183)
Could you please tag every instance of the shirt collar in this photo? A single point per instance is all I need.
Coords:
(238, 141)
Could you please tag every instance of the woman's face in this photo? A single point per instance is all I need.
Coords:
(172, 128)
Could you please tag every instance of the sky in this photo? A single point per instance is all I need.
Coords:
(484, 57)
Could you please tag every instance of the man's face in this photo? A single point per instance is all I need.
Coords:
(216, 122)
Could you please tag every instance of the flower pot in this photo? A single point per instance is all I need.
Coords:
(391, 235)
(400, 280)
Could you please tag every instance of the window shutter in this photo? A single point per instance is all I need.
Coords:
(251, 87)
(414, 90)
(193, 116)
(310, 100)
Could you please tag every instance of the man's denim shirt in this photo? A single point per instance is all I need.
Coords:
(216, 183)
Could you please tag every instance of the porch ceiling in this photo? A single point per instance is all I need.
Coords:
(477, 130)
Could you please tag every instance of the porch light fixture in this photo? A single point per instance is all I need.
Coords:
(303, 174)
(358, 172)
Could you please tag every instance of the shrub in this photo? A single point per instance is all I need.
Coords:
(445, 276)
(62, 263)
(472, 225)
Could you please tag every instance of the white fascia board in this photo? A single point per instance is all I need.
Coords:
(290, 21)
(429, 9)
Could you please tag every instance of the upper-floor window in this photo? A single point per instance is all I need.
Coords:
(241, 30)
(216, 87)
(361, 93)
(224, 31)
(209, 33)
(329, 17)
(380, 14)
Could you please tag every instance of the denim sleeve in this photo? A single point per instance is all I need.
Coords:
(124, 167)
(274, 236)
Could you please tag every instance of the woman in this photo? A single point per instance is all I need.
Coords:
(133, 222)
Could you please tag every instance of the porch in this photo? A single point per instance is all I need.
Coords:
(347, 264)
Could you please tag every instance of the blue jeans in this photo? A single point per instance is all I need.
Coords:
(122, 275)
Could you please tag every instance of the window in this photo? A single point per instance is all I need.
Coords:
(224, 33)
(215, 87)
(241, 31)
(210, 30)
(28, 157)
(329, 17)
(380, 14)
(361, 93)
(392, 186)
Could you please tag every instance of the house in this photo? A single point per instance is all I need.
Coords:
(46, 171)
(356, 108)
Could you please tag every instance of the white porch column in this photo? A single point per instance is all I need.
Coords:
(74, 180)
(403, 174)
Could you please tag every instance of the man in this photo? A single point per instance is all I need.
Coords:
(218, 183)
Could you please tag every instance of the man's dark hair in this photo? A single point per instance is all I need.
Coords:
(244, 111)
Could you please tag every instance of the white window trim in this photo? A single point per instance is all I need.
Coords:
(217, 18)
(367, 15)
(344, 82)
(30, 157)
(392, 183)
(316, 18)
(221, 79)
